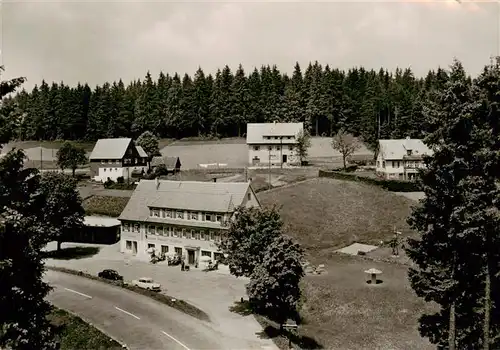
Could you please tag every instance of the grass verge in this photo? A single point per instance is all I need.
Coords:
(105, 205)
(175, 303)
(71, 332)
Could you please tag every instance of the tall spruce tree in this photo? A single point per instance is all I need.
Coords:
(456, 219)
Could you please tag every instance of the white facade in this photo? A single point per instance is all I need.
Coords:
(113, 173)
(272, 153)
(189, 233)
(398, 169)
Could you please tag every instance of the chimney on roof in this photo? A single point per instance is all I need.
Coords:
(214, 179)
(157, 182)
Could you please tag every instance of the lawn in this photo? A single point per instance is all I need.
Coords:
(105, 205)
(74, 333)
(340, 309)
(341, 212)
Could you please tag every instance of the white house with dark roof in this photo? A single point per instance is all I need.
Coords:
(114, 158)
(183, 217)
(273, 143)
(400, 159)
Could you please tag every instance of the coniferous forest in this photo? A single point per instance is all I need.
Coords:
(371, 104)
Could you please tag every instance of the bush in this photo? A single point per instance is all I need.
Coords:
(109, 183)
(390, 185)
(351, 168)
(120, 180)
(160, 170)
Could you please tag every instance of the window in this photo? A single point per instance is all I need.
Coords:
(167, 231)
(178, 251)
(270, 148)
(219, 218)
(256, 148)
(169, 213)
(128, 245)
(208, 217)
(197, 234)
(184, 233)
(137, 228)
(408, 152)
(383, 164)
(103, 161)
(164, 249)
(277, 148)
(191, 234)
(290, 147)
(276, 137)
(289, 137)
(393, 163)
(180, 215)
(156, 213)
(159, 230)
(175, 231)
(194, 216)
(399, 164)
(217, 237)
(163, 213)
(378, 163)
(103, 169)
(110, 161)
(151, 229)
(150, 212)
(206, 253)
(249, 196)
(211, 235)
(117, 161)
(151, 245)
(204, 235)
(126, 227)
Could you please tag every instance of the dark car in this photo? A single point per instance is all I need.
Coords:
(110, 275)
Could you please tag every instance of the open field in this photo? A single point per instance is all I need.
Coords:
(341, 310)
(74, 333)
(341, 212)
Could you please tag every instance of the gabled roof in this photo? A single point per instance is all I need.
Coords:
(219, 197)
(397, 149)
(170, 162)
(110, 148)
(257, 131)
(141, 152)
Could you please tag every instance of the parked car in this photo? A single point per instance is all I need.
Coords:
(146, 283)
(110, 275)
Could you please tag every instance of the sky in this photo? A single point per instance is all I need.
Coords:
(97, 41)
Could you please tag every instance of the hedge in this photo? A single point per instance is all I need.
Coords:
(175, 303)
(390, 185)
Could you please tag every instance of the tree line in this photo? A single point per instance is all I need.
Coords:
(368, 103)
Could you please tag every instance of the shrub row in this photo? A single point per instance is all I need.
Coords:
(390, 185)
(175, 303)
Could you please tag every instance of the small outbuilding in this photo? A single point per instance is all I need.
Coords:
(172, 164)
(98, 230)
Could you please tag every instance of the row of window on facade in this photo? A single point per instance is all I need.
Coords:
(270, 148)
(118, 161)
(398, 163)
(278, 137)
(164, 249)
(171, 231)
(185, 215)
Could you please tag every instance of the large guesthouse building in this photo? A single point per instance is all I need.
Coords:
(182, 217)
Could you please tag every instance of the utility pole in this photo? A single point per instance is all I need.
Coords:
(269, 148)
(281, 152)
(41, 158)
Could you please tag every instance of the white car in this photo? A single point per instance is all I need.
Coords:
(146, 283)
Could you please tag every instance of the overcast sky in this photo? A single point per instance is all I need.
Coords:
(101, 41)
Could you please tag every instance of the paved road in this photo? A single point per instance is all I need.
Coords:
(136, 320)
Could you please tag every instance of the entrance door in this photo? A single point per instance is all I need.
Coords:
(284, 158)
(134, 247)
(190, 257)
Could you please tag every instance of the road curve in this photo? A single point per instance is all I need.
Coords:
(136, 320)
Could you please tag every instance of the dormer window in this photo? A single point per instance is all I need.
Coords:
(408, 152)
